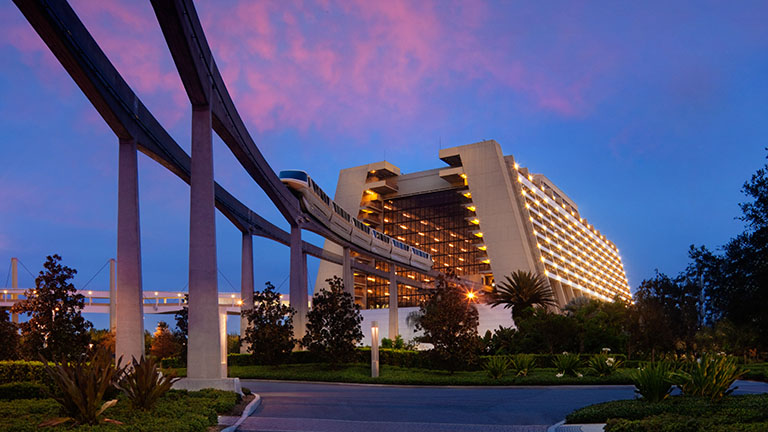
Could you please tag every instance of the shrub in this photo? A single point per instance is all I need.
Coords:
(653, 381)
(333, 324)
(81, 387)
(603, 364)
(22, 390)
(449, 321)
(270, 327)
(522, 364)
(567, 364)
(144, 384)
(496, 366)
(18, 371)
(710, 377)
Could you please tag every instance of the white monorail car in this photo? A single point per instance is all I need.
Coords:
(330, 214)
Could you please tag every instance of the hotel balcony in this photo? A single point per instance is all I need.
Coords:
(383, 187)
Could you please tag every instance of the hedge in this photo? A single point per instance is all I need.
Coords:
(19, 370)
(391, 357)
(22, 390)
(699, 413)
(176, 411)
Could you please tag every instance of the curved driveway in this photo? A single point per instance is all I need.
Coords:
(321, 407)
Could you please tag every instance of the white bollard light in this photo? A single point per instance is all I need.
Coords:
(374, 349)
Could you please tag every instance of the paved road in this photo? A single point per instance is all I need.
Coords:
(290, 406)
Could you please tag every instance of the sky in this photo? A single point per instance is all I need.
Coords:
(649, 115)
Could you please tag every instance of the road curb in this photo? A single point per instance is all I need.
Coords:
(249, 409)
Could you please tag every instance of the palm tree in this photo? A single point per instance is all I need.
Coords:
(521, 290)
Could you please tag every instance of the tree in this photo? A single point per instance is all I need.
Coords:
(55, 328)
(333, 324)
(164, 344)
(599, 324)
(9, 335)
(270, 327)
(521, 291)
(449, 321)
(736, 281)
(182, 329)
(665, 316)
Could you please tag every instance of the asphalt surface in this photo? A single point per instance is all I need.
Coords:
(320, 407)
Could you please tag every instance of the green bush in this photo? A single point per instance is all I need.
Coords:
(653, 381)
(18, 371)
(567, 364)
(176, 411)
(523, 364)
(22, 390)
(496, 366)
(81, 387)
(603, 364)
(144, 384)
(711, 377)
(747, 409)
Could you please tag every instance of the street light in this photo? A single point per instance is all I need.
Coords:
(374, 349)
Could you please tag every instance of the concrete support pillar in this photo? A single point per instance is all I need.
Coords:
(112, 295)
(129, 314)
(14, 285)
(298, 284)
(223, 340)
(204, 359)
(246, 286)
(393, 312)
(349, 280)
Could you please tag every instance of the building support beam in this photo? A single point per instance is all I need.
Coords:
(129, 313)
(112, 295)
(349, 280)
(393, 312)
(223, 339)
(298, 284)
(14, 285)
(204, 349)
(246, 287)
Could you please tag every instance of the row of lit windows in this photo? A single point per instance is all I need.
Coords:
(606, 269)
(541, 221)
(569, 215)
(531, 205)
(580, 273)
(586, 260)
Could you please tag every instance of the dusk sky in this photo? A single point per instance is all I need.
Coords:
(650, 115)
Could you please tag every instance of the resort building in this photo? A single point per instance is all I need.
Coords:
(482, 216)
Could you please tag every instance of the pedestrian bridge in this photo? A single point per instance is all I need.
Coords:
(154, 302)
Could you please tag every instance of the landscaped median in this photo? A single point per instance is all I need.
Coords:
(680, 414)
(177, 410)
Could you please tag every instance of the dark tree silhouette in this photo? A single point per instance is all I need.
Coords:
(9, 335)
(333, 324)
(55, 328)
(270, 327)
(449, 321)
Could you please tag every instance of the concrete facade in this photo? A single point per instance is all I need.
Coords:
(514, 220)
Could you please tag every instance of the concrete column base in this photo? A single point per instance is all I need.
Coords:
(195, 384)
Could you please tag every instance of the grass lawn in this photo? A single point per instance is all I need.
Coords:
(361, 373)
(176, 411)
(679, 413)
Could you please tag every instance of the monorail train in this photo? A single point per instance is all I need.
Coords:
(335, 218)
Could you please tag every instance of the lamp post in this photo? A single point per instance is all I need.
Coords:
(374, 349)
